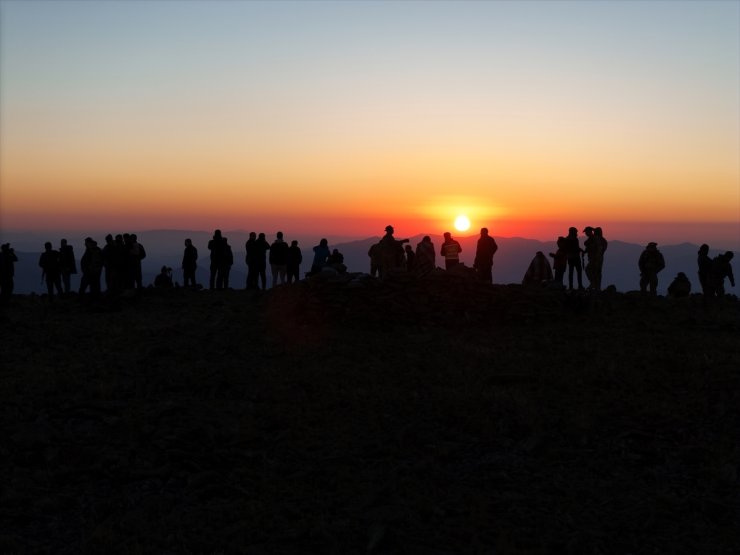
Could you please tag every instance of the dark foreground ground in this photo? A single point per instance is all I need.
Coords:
(439, 416)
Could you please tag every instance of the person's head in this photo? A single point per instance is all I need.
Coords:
(133, 237)
(217, 234)
(389, 229)
(109, 238)
(408, 248)
(279, 235)
(588, 230)
(652, 246)
(572, 231)
(447, 235)
(164, 270)
(64, 242)
(294, 243)
(729, 255)
(252, 235)
(47, 246)
(324, 242)
(426, 239)
(561, 241)
(598, 231)
(261, 236)
(484, 231)
(704, 249)
(188, 242)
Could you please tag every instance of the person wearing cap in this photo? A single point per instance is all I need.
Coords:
(391, 251)
(451, 250)
(651, 262)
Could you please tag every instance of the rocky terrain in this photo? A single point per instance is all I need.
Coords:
(349, 415)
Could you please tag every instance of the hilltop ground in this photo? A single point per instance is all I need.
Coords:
(352, 416)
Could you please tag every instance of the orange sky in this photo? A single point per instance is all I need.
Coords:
(113, 122)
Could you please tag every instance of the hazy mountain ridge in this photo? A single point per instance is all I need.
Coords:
(164, 248)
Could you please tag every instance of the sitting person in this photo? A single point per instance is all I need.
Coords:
(539, 271)
(680, 286)
(164, 279)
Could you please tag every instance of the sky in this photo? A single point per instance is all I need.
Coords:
(342, 117)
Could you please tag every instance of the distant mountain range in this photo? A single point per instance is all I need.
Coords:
(165, 247)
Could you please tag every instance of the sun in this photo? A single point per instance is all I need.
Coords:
(462, 223)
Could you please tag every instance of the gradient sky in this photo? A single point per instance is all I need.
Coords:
(341, 117)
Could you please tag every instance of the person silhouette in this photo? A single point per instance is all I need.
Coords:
(136, 254)
(278, 259)
(321, 254)
(680, 286)
(720, 270)
(539, 272)
(293, 267)
(68, 266)
(451, 250)
(376, 261)
(425, 256)
(484, 252)
(50, 264)
(226, 260)
(262, 247)
(391, 251)
(91, 264)
(573, 252)
(559, 260)
(410, 258)
(650, 263)
(189, 264)
(251, 259)
(8, 259)
(163, 280)
(215, 245)
(705, 268)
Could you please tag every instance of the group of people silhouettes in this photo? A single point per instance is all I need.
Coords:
(118, 262)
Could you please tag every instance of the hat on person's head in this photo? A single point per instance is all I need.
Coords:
(587, 229)
(652, 244)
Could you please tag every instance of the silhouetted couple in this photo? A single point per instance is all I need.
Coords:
(222, 258)
(713, 271)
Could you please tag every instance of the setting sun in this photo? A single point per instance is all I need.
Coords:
(462, 223)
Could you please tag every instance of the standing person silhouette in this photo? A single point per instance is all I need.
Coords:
(425, 256)
(216, 246)
(7, 272)
(391, 251)
(484, 252)
(278, 259)
(573, 252)
(224, 266)
(262, 247)
(91, 265)
(705, 268)
(650, 263)
(293, 268)
(67, 263)
(559, 261)
(451, 250)
(189, 263)
(50, 264)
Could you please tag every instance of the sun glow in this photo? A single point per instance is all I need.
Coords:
(462, 223)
